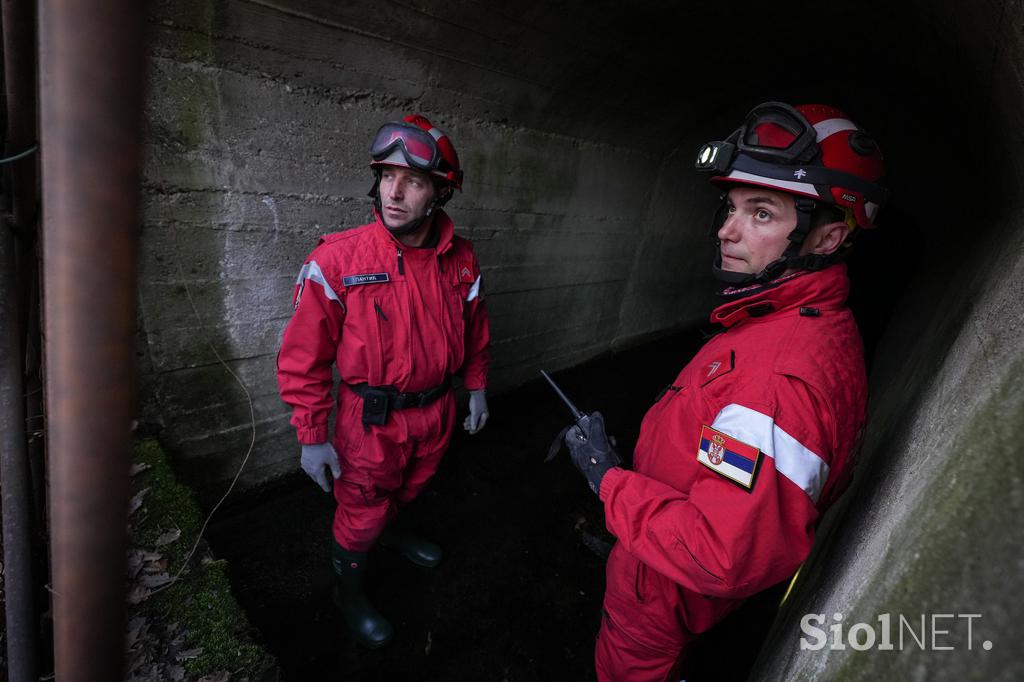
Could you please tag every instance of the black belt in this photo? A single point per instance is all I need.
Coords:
(379, 400)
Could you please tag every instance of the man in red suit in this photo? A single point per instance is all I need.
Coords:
(396, 306)
(739, 457)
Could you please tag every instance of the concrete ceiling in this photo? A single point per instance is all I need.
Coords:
(641, 74)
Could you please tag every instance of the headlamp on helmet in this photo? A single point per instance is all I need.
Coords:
(715, 156)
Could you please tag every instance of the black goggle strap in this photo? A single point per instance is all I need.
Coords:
(812, 175)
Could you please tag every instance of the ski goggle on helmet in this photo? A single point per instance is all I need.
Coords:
(415, 143)
(811, 150)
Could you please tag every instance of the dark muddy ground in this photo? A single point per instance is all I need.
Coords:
(518, 596)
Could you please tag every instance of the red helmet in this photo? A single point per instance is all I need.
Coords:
(415, 143)
(811, 150)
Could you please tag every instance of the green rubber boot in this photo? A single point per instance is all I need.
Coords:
(369, 628)
(417, 550)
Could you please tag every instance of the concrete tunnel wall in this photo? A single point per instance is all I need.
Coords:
(576, 123)
(259, 118)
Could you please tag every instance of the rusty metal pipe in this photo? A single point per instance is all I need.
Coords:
(92, 64)
(19, 32)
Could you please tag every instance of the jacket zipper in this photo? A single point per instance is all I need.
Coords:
(380, 338)
(401, 263)
(636, 584)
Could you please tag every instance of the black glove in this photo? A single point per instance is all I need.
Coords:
(590, 449)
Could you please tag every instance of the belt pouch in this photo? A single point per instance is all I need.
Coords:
(375, 407)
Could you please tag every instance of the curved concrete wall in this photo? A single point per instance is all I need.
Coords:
(576, 122)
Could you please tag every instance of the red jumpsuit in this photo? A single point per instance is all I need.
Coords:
(387, 315)
(734, 465)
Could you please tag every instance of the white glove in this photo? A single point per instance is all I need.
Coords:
(315, 458)
(478, 413)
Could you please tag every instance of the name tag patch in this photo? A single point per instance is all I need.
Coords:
(729, 457)
(372, 278)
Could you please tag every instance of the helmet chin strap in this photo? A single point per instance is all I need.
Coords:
(741, 279)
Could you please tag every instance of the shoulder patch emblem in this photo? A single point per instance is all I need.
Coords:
(718, 366)
(372, 278)
(729, 457)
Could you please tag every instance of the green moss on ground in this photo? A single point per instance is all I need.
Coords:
(216, 623)
(200, 602)
(167, 504)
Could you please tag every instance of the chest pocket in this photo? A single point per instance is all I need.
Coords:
(375, 328)
(664, 398)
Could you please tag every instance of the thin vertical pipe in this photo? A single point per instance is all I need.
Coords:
(20, 179)
(14, 477)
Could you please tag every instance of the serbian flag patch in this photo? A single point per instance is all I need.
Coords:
(727, 456)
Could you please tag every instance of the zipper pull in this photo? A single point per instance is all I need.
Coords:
(401, 263)
(380, 312)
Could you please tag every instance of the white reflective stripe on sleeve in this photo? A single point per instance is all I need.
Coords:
(311, 271)
(832, 126)
(474, 290)
(794, 461)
